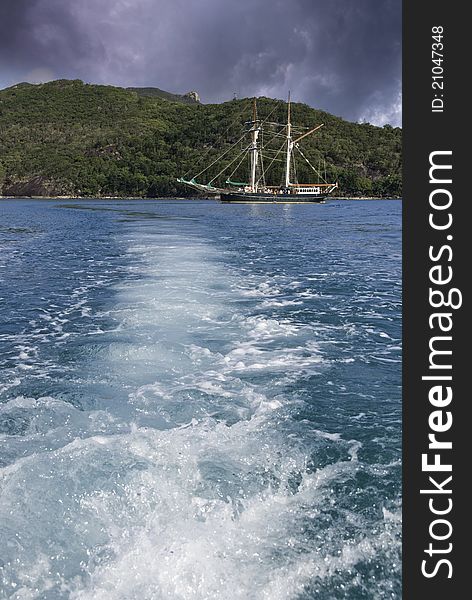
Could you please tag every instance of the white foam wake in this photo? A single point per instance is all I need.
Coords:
(199, 485)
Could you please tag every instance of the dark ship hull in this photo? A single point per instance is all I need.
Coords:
(246, 197)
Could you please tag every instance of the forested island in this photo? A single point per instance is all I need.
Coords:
(68, 138)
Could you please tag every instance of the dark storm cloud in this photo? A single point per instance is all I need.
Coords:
(340, 55)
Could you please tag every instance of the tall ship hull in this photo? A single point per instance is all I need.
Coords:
(244, 198)
(269, 143)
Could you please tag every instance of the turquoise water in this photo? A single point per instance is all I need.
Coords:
(200, 401)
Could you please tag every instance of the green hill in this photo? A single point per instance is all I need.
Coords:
(70, 138)
(153, 92)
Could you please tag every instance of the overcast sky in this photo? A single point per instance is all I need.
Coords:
(343, 56)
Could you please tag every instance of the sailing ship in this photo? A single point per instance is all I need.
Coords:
(261, 159)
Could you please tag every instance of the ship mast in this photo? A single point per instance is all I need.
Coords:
(289, 145)
(254, 149)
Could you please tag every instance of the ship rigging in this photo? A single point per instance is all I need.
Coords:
(261, 159)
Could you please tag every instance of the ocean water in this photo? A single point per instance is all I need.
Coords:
(200, 401)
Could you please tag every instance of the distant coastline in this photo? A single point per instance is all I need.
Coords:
(164, 198)
(70, 139)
